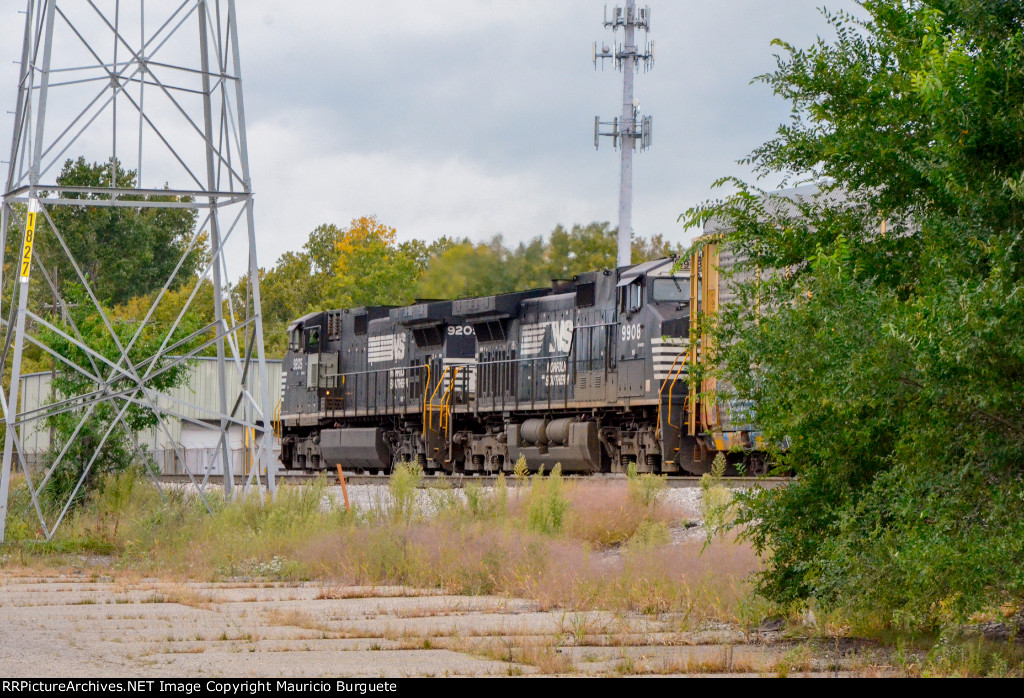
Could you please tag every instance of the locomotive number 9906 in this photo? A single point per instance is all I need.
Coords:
(630, 333)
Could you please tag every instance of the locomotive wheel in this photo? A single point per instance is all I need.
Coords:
(755, 464)
(694, 457)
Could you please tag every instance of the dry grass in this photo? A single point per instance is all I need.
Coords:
(186, 596)
(720, 660)
(607, 553)
(296, 618)
(543, 653)
(194, 649)
(703, 585)
(799, 659)
(546, 656)
(603, 513)
(477, 559)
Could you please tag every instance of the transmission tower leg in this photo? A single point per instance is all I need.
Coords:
(25, 263)
(266, 449)
(266, 459)
(215, 241)
(19, 342)
(5, 464)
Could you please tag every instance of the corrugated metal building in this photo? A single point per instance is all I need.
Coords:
(198, 444)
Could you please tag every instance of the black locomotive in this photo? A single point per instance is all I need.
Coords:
(590, 374)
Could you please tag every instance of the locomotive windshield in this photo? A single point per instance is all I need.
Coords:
(672, 289)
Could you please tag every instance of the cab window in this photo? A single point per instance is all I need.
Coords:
(631, 297)
(313, 339)
(671, 290)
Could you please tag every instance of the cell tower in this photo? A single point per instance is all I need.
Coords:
(631, 128)
(156, 86)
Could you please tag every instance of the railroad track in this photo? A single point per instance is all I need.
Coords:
(485, 480)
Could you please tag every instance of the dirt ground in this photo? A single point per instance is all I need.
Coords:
(87, 622)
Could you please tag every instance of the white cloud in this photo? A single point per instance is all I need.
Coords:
(422, 198)
(473, 117)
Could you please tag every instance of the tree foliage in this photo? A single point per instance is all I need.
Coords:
(365, 264)
(468, 269)
(123, 251)
(887, 352)
(362, 264)
(95, 440)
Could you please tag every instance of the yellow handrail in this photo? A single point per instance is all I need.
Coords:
(657, 426)
(426, 406)
(446, 401)
(429, 408)
(670, 389)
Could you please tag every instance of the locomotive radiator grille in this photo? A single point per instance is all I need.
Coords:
(664, 351)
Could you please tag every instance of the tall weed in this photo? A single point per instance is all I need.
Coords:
(405, 480)
(716, 499)
(647, 489)
(548, 505)
(520, 471)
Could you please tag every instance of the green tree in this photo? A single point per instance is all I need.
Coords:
(887, 352)
(288, 290)
(116, 452)
(363, 264)
(468, 269)
(464, 270)
(370, 266)
(123, 251)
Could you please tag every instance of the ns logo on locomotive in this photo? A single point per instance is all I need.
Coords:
(591, 373)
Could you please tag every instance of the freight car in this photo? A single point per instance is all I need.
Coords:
(591, 373)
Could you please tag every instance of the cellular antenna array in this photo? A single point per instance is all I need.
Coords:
(630, 129)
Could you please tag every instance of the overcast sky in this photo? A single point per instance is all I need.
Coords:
(475, 117)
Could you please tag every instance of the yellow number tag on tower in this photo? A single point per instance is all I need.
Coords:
(26, 252)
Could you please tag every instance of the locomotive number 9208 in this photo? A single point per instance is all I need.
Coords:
(459, 330)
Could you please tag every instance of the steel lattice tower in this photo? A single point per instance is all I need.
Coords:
(157, 86)
(629, 129)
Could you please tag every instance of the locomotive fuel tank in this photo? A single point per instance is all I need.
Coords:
(567, 442)
(355, 448)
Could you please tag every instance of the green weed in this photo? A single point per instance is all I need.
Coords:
(548, 505)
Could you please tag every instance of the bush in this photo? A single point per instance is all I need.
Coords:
(404, 482)
(547, 506)
(647, 489)
(650, 534)
(603, 513)
(22, 522)
(716, 500)
(886, 354)
(520, 471)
